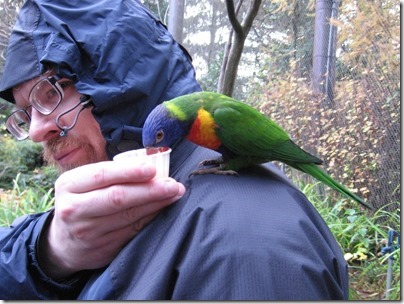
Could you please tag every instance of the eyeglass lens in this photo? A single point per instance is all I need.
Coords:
(46, 95)
(18, 124)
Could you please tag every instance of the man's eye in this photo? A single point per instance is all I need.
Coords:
(66, 84)
(22, 123)
(51, 93)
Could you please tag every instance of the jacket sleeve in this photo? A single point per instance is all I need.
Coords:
(20, 274)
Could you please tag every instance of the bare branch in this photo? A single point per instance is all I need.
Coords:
(251, 14)
(229, 43)
(232, 13)
(235, 45)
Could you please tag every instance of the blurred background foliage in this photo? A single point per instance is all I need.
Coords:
(358, 134)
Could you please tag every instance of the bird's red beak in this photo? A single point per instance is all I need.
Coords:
(154, 150)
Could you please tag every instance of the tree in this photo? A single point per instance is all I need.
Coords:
(176, 19)
(159, 8)
(235, 46)
(324, 49)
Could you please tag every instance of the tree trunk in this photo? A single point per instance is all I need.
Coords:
(324, 49)
(176, 19)
(235, 46)
(212, 31)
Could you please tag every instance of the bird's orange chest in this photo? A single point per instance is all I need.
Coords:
(203, 131)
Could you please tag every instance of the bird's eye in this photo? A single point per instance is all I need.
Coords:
(159, 136)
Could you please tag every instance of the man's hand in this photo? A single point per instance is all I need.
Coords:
(98, 209)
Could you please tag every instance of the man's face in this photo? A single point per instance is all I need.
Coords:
(84, 143)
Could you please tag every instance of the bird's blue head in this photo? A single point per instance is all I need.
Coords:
(162, 129)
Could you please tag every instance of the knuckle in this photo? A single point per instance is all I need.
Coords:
(99, 175)
(66, 213)
(138, 225)
(117, 196)
(80, 233)
(131, 214)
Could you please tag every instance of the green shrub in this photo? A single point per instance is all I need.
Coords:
(24, 158)
(362, 235)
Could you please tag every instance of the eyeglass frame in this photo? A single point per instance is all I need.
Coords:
(53, 81)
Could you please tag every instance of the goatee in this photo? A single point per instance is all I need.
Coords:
(58, 144)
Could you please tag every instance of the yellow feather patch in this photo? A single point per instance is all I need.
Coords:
(177, 111)
(203, 131)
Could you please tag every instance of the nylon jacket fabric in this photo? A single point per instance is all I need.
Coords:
(252, 237)
(117, 52)
(249, 237)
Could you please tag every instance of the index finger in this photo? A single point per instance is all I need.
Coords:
(103, 174)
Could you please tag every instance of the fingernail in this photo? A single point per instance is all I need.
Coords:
(171, 186)
(181, 190)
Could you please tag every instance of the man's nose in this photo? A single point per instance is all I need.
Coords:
(42, 127)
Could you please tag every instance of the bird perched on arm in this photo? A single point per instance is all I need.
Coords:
(242, 135)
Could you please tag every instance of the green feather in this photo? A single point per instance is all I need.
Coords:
(322, 176)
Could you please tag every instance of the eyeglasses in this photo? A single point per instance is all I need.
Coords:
(45, 96)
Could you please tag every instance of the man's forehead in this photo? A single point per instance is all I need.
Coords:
(25, 85)
(21, 91)
(28, 84)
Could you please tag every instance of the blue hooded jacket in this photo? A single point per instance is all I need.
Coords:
(117, 52)
(252, 237)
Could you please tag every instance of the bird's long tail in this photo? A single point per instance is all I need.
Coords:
(322, 176)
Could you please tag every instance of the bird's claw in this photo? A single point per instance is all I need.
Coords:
(216, 171)
(210, 162)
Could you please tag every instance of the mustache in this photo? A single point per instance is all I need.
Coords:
(92, 153)
(59, 143)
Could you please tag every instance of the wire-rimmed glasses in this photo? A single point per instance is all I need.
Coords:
(45, 96)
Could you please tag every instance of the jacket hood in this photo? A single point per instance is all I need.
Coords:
(115, 50)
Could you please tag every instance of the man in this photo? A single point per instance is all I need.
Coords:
(84, 76)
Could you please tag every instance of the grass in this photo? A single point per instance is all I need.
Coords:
(362, 236)
(21, 200)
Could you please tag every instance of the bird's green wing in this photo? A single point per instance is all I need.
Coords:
(247, 132)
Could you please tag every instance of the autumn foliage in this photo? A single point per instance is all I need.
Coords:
(358, 135)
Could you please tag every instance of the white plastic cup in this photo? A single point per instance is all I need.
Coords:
(160, 158)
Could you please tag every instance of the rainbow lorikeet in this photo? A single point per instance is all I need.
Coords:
(242, 135)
